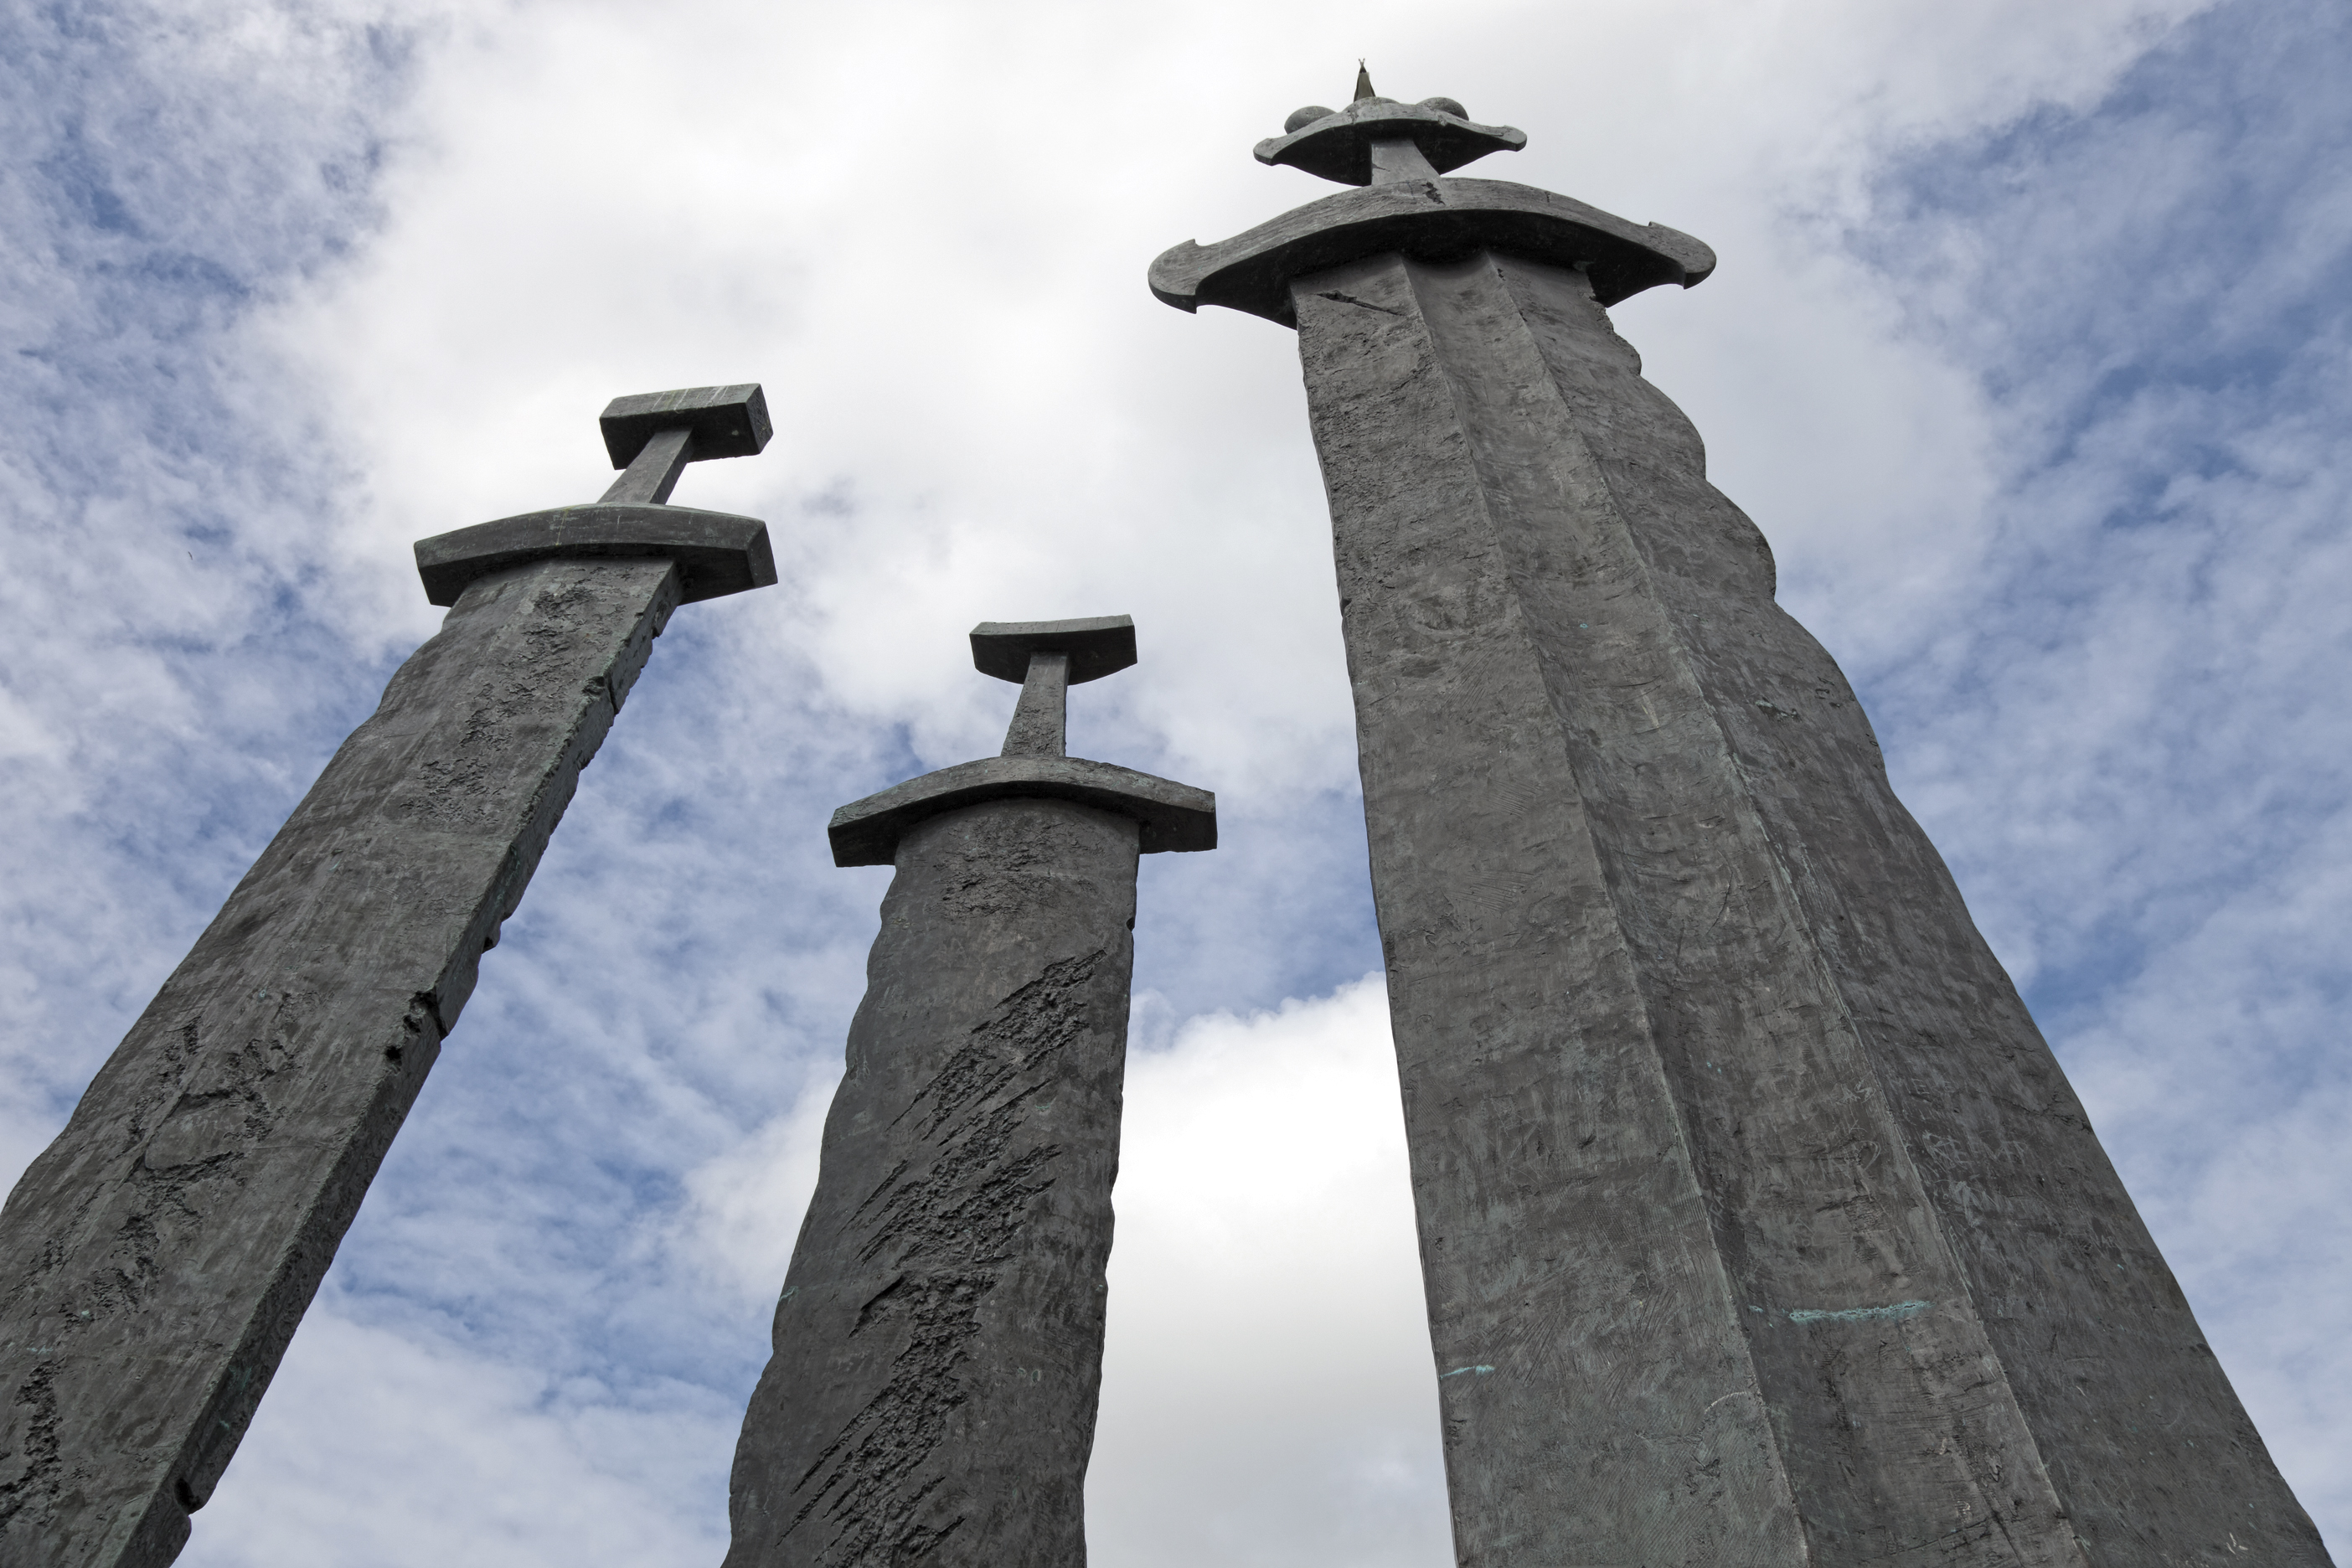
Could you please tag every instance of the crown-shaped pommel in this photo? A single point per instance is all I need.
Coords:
(1397, 153)
(1339, 144)
(1048, 658)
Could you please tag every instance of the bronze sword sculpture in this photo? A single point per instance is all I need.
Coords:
(155, 1259)
(938, 1343)
(1758, 1222)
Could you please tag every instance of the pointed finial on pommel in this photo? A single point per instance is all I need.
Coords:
(1376, 139)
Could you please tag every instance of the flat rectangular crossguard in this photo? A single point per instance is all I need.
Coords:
(1759, 1227)
(155, 1259)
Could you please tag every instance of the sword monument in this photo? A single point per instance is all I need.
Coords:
(939, 1342)
(1759, 1224)
(155, 1259)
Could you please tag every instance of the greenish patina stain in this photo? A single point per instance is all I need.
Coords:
(1861, 1314)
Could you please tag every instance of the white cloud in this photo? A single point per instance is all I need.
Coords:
(1267, 1347)
(408, 1451)
(744, 1206)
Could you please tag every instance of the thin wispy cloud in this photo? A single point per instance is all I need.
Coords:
(2129, 735)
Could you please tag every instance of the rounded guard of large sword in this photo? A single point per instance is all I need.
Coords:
(1427, 220)
(1396, 151)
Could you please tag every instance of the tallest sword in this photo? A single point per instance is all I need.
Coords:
(1759, 1224)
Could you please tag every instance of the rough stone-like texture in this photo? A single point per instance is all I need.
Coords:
(939, 1343)
(1430, 220)
(1760, 1225)
(1098, 646)
(1172, 816)
(155, 1259)
(722, 421)
(1341, 144)
(1040, 726)
(716, 553)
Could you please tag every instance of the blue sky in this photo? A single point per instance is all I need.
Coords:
(2027, 351)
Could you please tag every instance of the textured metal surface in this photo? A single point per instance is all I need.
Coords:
(1172, 815)
(1338, 146)
(717, 552)
(1047, 657)
(654, 472)
(1433, 220)
(1758, 1224)
(727, 421)
(1098, 646)
(155, 1261)
(1040, 719)
(939, 1342)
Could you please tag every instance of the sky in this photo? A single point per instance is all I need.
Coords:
(2028, 352)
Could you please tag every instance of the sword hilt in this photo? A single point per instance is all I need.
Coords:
(1047, 657)
(653, 435)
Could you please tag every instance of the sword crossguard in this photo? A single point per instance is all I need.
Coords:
(651, 438)
(1397, 150)
(1045, 657)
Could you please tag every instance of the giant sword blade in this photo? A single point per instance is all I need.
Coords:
(1758, 1223)
(156, 1258)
